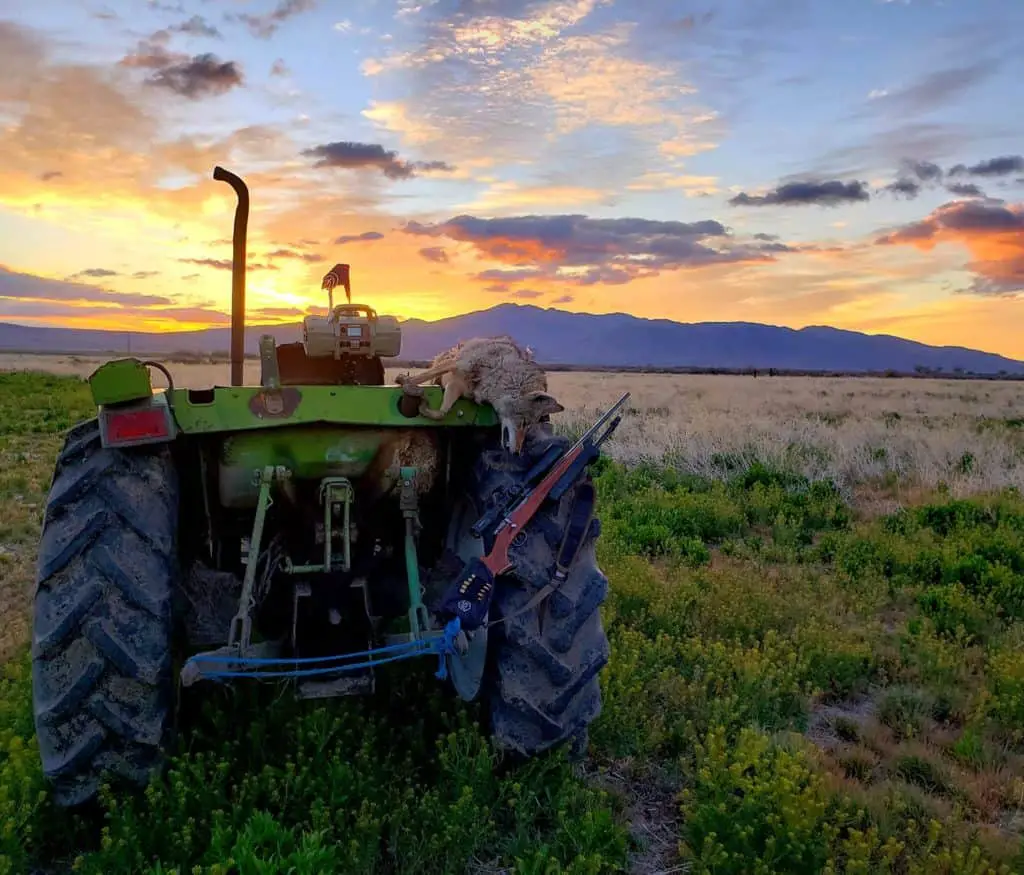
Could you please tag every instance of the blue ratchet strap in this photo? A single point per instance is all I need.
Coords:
(447, 647)
(443, 646)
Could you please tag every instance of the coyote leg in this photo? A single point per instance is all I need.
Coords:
(426, 376)
(452, 393)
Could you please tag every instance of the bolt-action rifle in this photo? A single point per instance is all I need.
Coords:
(468, 598)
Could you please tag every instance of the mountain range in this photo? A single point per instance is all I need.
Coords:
(559, 337)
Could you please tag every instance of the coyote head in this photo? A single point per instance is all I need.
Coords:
(517, 413)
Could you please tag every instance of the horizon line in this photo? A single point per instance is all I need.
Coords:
(510, 304)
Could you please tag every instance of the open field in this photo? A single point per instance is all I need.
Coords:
(816, 613)
(895, 434)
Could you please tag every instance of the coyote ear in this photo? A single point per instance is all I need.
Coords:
(544, 404)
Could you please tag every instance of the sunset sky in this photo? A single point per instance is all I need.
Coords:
(855, 163)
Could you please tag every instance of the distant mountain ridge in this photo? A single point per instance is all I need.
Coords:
(559, 337)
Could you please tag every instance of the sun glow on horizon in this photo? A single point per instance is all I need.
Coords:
(574, 154)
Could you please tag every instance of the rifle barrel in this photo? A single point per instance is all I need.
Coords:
(607, 415)
(540, 471)
(524, 497)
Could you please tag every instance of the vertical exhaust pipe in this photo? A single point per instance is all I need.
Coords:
(237, 271)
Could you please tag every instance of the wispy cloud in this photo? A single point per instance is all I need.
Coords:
(266, 25)
(926, 171)
(191, 76)
(518, 75)
(365, 237)
(906, 187)
(308, 257)
(224, 264)
(693, 186)
(504, 276)
(515, 195)
(94, 273)
(434, 253)
(934, 90)
(16, 285)
(965, 189)
(196, 26)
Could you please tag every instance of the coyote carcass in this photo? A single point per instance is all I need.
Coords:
(495, 371)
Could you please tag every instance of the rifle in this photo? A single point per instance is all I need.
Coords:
(468, 597)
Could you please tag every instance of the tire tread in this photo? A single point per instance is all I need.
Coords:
(101, 642)
(543, 680)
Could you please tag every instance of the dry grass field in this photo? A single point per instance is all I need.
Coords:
(883, 437)
(816, 620)
(860, 433)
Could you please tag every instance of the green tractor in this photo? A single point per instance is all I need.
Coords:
(305, 530)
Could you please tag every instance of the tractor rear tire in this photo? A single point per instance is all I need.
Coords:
(542, 677)
(102, 626)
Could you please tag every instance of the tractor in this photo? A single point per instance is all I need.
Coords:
(304, 530)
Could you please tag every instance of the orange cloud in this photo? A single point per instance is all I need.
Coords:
(992, 232)
(580, 250)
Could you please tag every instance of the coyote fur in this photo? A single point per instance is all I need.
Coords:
(495, 371)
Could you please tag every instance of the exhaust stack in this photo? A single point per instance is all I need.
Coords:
(237, 271)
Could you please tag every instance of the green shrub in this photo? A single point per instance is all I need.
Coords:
(761, 807)
(662, 694)
(970, 749)
(922, 772)
(754, 807)
(660, 523)
(33, 402)
(655, 511)
(846, 728)
(1006, 691)
(21, 788)
(345, 786)
(953, 611)
(953, 515)
(29, 822)
(903, 710)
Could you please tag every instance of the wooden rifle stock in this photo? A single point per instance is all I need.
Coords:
(468, 597)
(496, 561)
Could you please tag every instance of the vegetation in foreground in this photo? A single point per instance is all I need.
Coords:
(793, 688)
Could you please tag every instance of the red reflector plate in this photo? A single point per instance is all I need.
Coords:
(133, 425)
